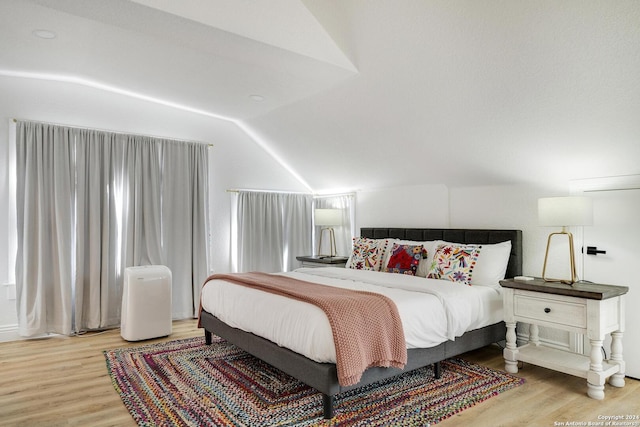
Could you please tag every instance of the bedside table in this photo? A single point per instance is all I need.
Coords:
(322, 261)
(586, 308)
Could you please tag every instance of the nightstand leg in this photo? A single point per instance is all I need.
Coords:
(534, 334)
(511, 351)
(617, 379)
(595, 380)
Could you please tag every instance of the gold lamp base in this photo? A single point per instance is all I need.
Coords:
(332, 244)
(574, 276)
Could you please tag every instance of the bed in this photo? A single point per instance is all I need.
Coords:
(323, 375)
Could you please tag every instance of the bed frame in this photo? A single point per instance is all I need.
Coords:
(323, 376)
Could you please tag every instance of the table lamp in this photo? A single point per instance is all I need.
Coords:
(325, 218)
(564, 212)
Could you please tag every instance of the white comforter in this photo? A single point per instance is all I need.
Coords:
(432, 311)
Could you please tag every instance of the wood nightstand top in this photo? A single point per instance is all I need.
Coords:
(580, 289)
(324, 259)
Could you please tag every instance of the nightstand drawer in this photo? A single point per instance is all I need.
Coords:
(569, 313)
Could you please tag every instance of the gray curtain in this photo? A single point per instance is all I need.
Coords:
(91, 203)
(272, 229)
(184, 223)
(45, 214)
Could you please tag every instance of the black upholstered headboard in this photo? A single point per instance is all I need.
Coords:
(459, 235)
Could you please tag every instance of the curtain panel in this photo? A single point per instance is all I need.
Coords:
(272, 229)
(91, 203)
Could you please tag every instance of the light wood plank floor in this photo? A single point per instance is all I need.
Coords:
(63, 381)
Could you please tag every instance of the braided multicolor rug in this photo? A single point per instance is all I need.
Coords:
(187, 383)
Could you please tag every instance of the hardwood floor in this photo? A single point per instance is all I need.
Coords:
(548, 398)
(63, 381)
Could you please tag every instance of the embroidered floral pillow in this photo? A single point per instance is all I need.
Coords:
(368, 254)
(454, 262)
(404, 259)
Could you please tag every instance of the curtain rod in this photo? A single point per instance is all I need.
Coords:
(238, 190)
(315, 196)
(114, 131)
(348, 193)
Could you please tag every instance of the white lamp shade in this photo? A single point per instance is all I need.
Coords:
(565, 211)
(326, 217)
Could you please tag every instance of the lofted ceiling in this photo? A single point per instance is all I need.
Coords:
(355, 94)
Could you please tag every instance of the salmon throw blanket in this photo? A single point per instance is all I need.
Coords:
(366, 326)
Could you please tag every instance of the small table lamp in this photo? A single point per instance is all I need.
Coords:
(326, 218)
(564, 212)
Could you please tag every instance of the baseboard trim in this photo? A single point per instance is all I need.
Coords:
(9, 333)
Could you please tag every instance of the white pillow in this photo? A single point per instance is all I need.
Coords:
(492, 264)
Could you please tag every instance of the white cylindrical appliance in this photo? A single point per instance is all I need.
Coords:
(146, 303)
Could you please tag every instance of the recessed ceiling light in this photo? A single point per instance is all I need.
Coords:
(256, 98)
(44, 34)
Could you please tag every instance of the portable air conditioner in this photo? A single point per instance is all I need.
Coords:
(146, 303)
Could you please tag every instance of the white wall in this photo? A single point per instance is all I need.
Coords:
(237, 161)
(414, 206)
(513, 207)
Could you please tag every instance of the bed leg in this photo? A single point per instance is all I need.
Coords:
(327, 404)
(437, 370)
(207, 337)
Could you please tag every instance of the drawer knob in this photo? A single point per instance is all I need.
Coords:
(547, 310)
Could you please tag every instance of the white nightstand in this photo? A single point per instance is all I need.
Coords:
(586, 308)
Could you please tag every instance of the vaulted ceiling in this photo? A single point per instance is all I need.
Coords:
(355, 94)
